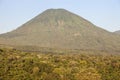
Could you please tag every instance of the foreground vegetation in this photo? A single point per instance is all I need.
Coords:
(17, 65)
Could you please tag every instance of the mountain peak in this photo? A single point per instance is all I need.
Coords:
(54, 16)
(57, 12)
(59, 9)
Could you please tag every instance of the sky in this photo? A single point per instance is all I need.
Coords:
(103, 13)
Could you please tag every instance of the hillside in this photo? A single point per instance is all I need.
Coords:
(59, 28)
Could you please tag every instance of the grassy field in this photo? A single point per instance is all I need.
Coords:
(18, 65)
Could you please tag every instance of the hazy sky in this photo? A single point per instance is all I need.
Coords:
(103, 13)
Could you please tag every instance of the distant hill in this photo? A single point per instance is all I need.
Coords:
(118, 32)
(59, 28)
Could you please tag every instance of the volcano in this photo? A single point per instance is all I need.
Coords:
(59, 28)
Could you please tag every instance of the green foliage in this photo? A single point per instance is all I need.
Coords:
(16, 65)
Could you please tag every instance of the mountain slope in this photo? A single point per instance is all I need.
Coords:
(59, 28)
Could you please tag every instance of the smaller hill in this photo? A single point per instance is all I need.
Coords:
(118, 32)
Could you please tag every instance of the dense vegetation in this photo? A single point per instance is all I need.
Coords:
(17, 65)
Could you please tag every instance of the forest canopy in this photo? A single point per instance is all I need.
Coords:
(16, 65)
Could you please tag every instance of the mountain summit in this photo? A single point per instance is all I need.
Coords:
(59, 28)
